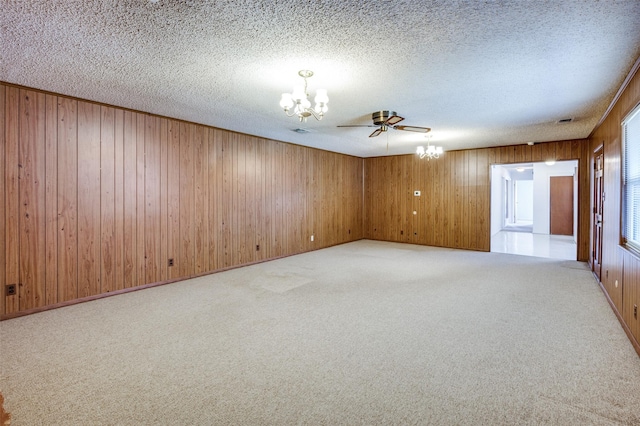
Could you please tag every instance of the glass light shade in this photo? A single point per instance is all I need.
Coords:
(321, 109)
(298, 93)
(305, 103)
(420, 150)
(439, 150)
(321, 96)
(286, 101)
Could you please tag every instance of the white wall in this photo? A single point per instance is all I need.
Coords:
(498, 174)
(524, 200)
(541, 175)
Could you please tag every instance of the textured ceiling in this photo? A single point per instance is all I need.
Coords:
(479, 73)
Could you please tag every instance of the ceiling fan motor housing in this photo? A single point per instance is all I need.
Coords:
(379, 117)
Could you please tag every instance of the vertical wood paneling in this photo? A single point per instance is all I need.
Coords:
(163, 267)
(279, 228)
(266, 246)
(215, 193)
(239, 200)
(32, 165)
(119, 190)
(620, 269)
(225, 210)
(130, 221)
(259, 191)
(482, 225)
(140, 201)
(631, 293)
(12, 196)
(67, 224)
(187, 215)
(88, 199)
(173, 199)
(107, 200)
(152, 181)
(201, 205)
(96, 198)
(251, 198)
(3, 164)
(51, 199)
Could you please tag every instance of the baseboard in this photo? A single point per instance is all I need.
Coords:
(624, 325)
(4, 317)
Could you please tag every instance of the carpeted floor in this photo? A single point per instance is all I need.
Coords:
(362, 333)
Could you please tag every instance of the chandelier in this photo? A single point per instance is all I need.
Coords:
(430, 152)
(298, 104)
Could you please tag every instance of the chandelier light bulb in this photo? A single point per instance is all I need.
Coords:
(321, 96)
(298, 93)
(286, 101)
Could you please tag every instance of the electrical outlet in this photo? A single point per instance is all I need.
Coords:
(312, 238)
(257, 247)
(10, 290)
(170, 262)
(635, 311)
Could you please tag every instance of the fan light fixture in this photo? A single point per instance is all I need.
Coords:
(298, 104)
(430, 152)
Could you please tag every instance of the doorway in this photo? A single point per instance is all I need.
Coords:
(522, 207)
(598, 202)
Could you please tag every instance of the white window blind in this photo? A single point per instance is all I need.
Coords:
(631, 179)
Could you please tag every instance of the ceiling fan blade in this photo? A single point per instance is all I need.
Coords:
(376, 132)
(393, 120)
(413, 129)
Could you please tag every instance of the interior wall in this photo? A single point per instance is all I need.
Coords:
(498, 177)
(454, 209)
(620, 276)
(97, 199)
(541, 199)
(523, 190)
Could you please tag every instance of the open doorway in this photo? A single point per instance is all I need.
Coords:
(523, 211)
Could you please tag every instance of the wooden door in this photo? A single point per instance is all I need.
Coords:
(561, 205)
(598, 201)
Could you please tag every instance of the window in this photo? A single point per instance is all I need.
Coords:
(631, 180)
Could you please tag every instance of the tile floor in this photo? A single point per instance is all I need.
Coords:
(539, 245)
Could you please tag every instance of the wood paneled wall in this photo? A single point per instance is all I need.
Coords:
(97, 199)
(618, 265)
(453, 209)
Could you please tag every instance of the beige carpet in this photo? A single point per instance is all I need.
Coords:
(362, 333)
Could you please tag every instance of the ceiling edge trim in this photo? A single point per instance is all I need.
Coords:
(615, 99)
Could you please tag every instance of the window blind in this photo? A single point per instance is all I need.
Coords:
(631, 179)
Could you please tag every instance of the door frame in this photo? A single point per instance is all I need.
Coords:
(597, 212)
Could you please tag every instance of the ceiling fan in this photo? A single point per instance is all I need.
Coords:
(384, 120)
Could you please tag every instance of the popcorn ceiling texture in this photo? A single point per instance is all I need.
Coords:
(480, 73)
